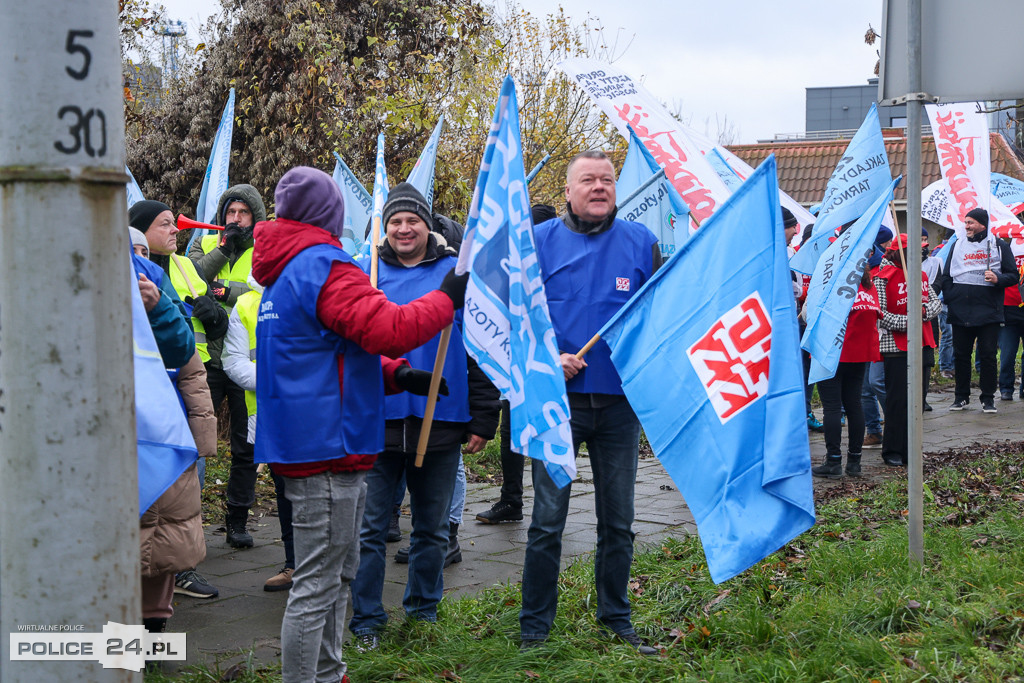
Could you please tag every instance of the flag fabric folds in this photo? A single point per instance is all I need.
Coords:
(654, 203)
(724, 171)
(165, 444)
(422, 174)
(834, 285)
(216, 180)
(506, 323)
(133, 191)
(358, 205)
(859, 176)
(380, 195)
(1009, 191)
(708, 352)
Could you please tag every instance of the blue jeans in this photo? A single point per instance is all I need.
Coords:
(945, 342)
(1010, 336)
(430, 497)
(871, 395)
(612, 435)
(326, 510)
(458, 495)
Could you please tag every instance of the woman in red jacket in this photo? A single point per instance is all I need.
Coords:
(842, 392)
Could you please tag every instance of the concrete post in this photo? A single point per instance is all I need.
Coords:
(68, 493)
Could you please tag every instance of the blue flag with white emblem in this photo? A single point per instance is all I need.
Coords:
(659, 207)
(506, 323)
(711, 365)
(862, 172)
(215, 182)
(833, 288)
(422, 174)
(165, 444)
(358, 205)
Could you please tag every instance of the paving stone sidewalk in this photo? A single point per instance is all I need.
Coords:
(244, 622)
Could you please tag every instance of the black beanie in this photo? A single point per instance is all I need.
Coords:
(405, 197)
(788, 219)
(142, 214)
(980, 215)
(542, 212)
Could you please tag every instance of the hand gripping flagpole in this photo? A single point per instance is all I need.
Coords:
(435, 385)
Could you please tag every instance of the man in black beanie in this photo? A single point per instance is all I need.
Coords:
(976, 272)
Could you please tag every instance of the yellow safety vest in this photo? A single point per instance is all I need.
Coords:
(181, 287)
(228, 275)
(248, 307)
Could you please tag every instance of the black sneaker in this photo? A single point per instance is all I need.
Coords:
(634, 640)
(1006, 395)
(959, 405)
(367, 641)
(239, 537)
(191, 583)
(501, 512)
(893, 462)
(402, 556)
(988, 407)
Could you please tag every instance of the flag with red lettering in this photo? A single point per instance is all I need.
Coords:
(709, 355)
(628, 103)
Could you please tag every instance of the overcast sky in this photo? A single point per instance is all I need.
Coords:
(741, 63)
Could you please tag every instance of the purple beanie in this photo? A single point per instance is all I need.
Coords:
(310, 196)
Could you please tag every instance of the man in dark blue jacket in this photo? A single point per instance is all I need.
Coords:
(591, 263)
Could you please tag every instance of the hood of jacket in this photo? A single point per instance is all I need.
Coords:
(246, 193)
(281, 240)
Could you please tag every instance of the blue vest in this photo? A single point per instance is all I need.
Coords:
(587, 279)
(302, 415)
(402, 285)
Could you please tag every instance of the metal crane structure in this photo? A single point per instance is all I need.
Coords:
(170, 32)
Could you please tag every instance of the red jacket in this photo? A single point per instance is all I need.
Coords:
(860, 345)
(349, 306)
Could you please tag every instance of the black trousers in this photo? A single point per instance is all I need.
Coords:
(843, 391)
(511, 463)
(895, 434)
(241, 492)
(987, 337)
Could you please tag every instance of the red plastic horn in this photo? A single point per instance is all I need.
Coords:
(187, 223)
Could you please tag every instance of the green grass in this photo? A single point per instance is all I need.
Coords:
(840, 603)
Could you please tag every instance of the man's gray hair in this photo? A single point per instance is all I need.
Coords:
(589, 154)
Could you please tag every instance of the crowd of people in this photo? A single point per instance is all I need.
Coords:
(325, 372)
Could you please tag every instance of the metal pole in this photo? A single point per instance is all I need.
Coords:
(68, 494)
(915, 432)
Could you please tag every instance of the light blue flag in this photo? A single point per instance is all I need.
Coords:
(134, 192)
(380, 195)
(165, 444)
(215, 183)
(506, 323)
(711, 365)
(636, 171)
(1009, 191)
(536, 169)
(724, 170)
(943, 251)
(834, 284)
(422, 174)
(650, 206)
(862, 172)
(358, 206)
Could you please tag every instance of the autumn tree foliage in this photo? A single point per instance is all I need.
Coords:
(316, 76)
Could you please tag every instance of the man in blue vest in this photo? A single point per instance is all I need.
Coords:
(414, 259)
(592, 263)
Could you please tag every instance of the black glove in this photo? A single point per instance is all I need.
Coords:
(455, 287)
(218, 291)
(232, 238)
(211, 314)
(417, 381)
